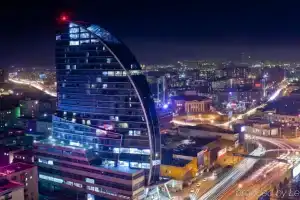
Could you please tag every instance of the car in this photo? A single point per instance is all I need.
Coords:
(198, 184)
(192, 191)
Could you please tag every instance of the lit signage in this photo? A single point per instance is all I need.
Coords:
(243, 129)
(222, 152)
(296, 170)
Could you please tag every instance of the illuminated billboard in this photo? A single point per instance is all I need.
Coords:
(222, 152)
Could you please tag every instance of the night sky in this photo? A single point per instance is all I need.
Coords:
(157, 31)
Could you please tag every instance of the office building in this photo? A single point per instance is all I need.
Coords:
(37, 108)
(106, 139)
(3, 75)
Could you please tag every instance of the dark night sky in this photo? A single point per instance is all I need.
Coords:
(157, 31)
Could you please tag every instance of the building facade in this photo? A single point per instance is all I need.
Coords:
(191, 104)
(11, 190)
(25, 174)
(105, 130)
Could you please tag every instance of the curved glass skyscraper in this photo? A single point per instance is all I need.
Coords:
(106, 116)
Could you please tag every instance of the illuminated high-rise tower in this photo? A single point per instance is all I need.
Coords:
(106, 139)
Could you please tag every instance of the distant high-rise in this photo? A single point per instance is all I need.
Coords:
(3, 76)
(106, 139)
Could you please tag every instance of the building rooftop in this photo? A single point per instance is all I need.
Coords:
(190, 98)
(208, 127)
(6, 186)
(14, 167)
(180, 145)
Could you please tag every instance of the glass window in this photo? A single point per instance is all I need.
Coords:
(67, 66)
(99, 79)
(74, 43)
(104, 86)
(145, 165)
(123, 125)
(124, 163)
(118, 73)
(135, 165)
(90, 180)
(111, 73)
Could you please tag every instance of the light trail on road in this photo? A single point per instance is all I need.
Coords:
(274, 170)
(234, 175)
(33, 84)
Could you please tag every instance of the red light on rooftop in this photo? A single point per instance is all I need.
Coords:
(64, 18)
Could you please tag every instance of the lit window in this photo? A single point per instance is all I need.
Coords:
(74, 43)
(130, 132)
(145, 165)
(74, 67)
(78, 185)
(111, 73)
(67, 66)
(88, 122)
(83, 121)
(50, 162)
(118, 73)
(123, 163)
(123, 125)
(116, 150)
(134, 151)
(135, 165)
(99, 80)
(108, 60)
(89, 180)
(136, 133)
(117, 118)
(104, 73)
(73, 120)
(104, 86)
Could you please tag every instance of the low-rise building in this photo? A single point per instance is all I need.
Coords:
(261, 129)
(10, 190)
(25, 174)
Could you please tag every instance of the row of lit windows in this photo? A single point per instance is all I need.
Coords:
(79, 185)
(122, 163)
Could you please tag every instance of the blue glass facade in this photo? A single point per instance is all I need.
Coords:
(104, 102)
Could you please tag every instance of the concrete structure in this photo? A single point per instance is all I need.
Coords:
(262, 129)
(190, 104)
(207, 131)
(10, 190)
(25, 174)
